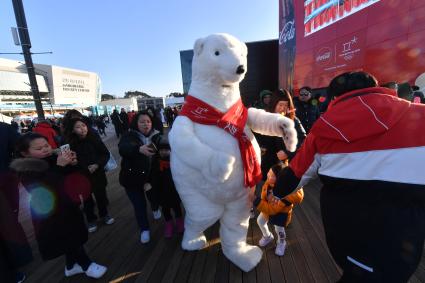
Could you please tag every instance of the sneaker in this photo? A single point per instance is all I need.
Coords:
(145, 237)
(20, 277)
(180, 225)
(280, 248)
(157, 214)
(264, 241)
(92, 227)
(76, 269)
(108, 220)
(168, 229)
(95, 270)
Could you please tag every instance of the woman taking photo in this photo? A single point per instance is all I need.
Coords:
(51, 181)
(137, 148)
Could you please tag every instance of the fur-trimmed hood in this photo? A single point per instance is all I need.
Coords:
(27, 164)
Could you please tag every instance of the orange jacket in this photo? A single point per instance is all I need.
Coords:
(283, 206)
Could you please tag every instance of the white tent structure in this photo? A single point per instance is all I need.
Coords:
(5, 119)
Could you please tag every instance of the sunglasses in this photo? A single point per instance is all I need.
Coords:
(304, 93)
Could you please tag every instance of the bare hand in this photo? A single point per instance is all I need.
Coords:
(146, 150)
(281, 155)
(147, 187)
(74, 158)
(64, 159)
(92, 167)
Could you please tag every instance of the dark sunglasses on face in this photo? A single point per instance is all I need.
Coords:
(304, 93)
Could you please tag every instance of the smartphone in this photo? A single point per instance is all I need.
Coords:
(65, 148)
(153, 147)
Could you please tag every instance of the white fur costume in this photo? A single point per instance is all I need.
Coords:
(206, 161)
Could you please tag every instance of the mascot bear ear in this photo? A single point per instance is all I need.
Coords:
(199, 45)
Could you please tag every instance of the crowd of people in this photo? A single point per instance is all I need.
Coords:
(61, 164)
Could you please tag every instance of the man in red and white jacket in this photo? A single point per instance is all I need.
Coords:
(368, 150)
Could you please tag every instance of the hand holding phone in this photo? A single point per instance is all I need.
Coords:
(65, 148)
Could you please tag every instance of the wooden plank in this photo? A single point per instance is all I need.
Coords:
(133, 255)
(173, 267)
(235, 273)
(301, 265)
(321, 251)
(171, 245)
(208, 273)
(222, 270)
(151, 262)
(263, 272)
(200, 259)
(185, 266)
(275, 268)
(288, 264)
(311, 258)
(250, 277)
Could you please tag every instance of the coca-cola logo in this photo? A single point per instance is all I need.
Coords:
(323, 56)
(287, 33)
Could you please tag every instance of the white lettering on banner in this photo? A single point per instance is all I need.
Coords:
(287, 33)
(231, 128)
(347, 53)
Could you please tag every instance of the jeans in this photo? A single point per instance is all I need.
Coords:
(138, 200)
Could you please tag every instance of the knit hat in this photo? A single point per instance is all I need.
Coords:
(264, 93)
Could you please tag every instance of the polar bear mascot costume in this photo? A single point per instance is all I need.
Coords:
(215, 157)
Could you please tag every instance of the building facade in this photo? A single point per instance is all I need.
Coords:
(60, 88)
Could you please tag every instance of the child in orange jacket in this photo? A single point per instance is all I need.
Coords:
(277, 211)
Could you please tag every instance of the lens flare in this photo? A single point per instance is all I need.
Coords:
(42, 202)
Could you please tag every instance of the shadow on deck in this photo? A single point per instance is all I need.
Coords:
(307, 258)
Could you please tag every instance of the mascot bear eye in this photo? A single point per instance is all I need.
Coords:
(217, 53)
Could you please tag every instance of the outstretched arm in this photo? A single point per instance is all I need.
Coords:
(272, 124)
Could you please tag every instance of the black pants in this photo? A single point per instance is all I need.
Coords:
(167, 211)
(153, 198)
(374, 235)
(137, 198)
(101, 201)
(118, 130)
(78, 256)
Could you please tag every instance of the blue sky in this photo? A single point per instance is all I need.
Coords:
(133, 44)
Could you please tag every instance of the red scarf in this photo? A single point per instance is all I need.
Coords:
(233, 122)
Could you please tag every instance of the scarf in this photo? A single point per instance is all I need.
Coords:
(233, 122)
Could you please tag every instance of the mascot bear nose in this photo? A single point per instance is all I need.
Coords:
(240, 70)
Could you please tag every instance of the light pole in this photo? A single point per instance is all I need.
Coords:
(26, 46)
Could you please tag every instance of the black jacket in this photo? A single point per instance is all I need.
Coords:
(307, 113)
(275, 144)
(92, 151)
(8, 139)
(135, 166)
(58, 222)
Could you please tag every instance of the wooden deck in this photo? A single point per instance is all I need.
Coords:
(307, 258)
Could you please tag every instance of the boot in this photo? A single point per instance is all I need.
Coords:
(180, 225)
(168, 229)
